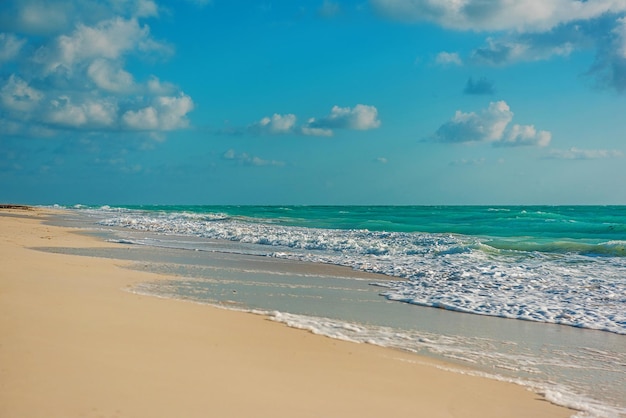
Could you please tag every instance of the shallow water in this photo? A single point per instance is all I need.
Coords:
(564, 265)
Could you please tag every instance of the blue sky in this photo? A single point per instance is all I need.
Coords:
(313, 102)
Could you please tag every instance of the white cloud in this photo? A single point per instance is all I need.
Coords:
(480, 15)
(584, 154)
(109, 76)
(448, 58)
(76, 78)
(173, 111)
(32, 107)
(145, 8)
(166, 113)
(10, 46)
(109, 39)
(490, 125)
(89, 113)
(361, 117)
(522, 135)
(277, 124)
(157, 87)
(382, 160)
(17, 95)
(146, 119)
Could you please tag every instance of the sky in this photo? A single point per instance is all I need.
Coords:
(317, 102)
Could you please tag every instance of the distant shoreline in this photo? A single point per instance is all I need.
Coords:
(17, 207)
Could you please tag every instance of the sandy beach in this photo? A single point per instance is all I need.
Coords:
(76, 343)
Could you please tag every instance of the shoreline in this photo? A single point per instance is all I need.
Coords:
(75, 343)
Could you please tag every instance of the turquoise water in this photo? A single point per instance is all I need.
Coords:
(597, 230)
(469, 220)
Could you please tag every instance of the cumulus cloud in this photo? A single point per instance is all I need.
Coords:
(142, 119)
(479, 87)
(17, 95)
(145, 8)
(157, 87)
(523, 135)
(88, 113)
(277, 124)
(247, 159)
(490, 125)
(487, 126)
(448, 58)
(108, 75)
(584, 154)
(497, 15)
(75, 78)
(109, 39)
(173, 111)
(165, 114)
(361, 117)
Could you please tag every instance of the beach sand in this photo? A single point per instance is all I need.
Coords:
(75, 343)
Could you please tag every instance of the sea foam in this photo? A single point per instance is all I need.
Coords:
(454, 272)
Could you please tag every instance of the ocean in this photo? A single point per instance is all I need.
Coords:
(530, 294)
